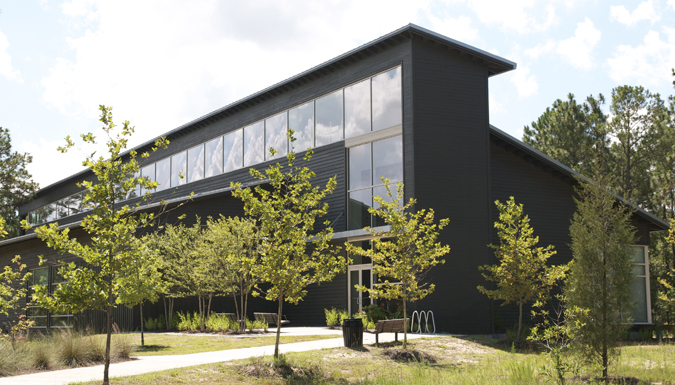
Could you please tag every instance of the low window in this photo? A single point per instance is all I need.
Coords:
(59, 319)
(37, 314)
(640, 285)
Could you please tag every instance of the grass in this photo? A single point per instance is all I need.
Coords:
(458, 361)
(164, 344)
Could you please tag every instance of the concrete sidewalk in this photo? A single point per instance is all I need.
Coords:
(149, 364)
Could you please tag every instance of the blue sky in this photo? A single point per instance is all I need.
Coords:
(163, 63)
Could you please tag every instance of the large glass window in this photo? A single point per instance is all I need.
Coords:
(40, 277)
(179, 169)
(301, 121)
(233, 145)
(357, 109)
(163, 174)
(195, 163)
(329, 118)
(214, 157)
(254, 144)
(275, 136)
(368, 163)
(640, 285)
(387, 106)
(74, 203)
(61, 208)
(148, 172)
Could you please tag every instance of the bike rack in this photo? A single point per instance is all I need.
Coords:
(426, 315)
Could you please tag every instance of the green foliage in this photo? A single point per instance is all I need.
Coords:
(375, 313)
(159, 323)
(601, 274)
(334, 317)
(522, 275)
(403, 255)
(291, 253)
(16, 185)
(256, 325)
(113, 248)
(367, 322)
(572, 133)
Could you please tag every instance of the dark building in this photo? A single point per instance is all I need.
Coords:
(411, 106)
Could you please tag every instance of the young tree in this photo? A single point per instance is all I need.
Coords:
(601, 273)
(12, 281)
(403, 255)
(16, 186)
(113, 227)
(522, 275)
(292, 255)
(232, 245)
(141, 280)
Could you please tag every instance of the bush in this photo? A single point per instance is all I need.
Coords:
(220, 323)
(74, 350)
(375, 313)
(159, 323)
(367, 322)
(10, 359)
(334, 317)
(256, 325)
(187, 321)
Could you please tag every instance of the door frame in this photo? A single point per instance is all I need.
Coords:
(350, 268)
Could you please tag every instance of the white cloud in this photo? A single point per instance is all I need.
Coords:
(672, 4)
(495, 106)
(6, 69)
(48, 165)
(459, 28)
(513, 15)
(649, 63)
(162, 63)
(644, 11)
(575, 50)
(526, 84)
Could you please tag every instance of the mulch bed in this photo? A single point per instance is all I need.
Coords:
(397, 354)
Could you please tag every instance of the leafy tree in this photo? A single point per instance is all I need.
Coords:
(522, 275)
(233, 245)
(572, 133)
(403, 255)
(600, 277)
(141, 280)
(12, 281)
(185, 268)
(292, 255)
(113, 246)
(635, 126)
(16, 185)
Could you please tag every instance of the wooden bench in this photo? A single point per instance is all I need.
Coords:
(270, 318)
(388, 326)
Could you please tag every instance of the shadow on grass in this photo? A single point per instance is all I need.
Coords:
(152, 348)
(266, 368)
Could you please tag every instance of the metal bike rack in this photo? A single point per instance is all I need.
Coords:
(426, 315)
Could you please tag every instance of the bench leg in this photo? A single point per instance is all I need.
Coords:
(377, 340)
(395, 337)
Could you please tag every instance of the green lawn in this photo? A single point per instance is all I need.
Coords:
(163, 344)
(457, 361)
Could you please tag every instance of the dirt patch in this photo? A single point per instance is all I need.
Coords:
(281, 368)
(612, 380)
(409, 355)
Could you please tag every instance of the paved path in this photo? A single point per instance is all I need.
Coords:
(147, 364)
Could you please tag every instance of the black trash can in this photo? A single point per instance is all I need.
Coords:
(352, 332)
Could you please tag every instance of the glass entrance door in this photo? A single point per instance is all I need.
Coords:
(361, 275)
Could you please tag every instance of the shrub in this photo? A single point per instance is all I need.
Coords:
(334, 317)
(218, 323)
(187, 321)
(367, 322)
(256, 325)
(9, 358)
(121, 346)
(375, 313)
(73, 350)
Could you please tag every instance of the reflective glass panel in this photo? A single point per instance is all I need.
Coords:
(61, 208)
(136, 191)
(74, 203)
(234, 155)
(195, 163)
(214, 157)
(357, 259)
(357, 109)
(387, 106)
(381, 191)
(359, 166)
(37, 312)
(639, 270)
(254, 144)
(359, 202)
(388, 160)
(354, 281)
(61, 321)
(163, 174)
(639, 290)
(40, 276)
(51, 212)
(638, 253)
(275, 136)
(179, 169)
(329, 119)
(301, 121)
(39, 321)
(148, 172)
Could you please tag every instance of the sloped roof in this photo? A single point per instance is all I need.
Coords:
(658, 223)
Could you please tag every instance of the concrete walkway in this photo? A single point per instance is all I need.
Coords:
(147, 364)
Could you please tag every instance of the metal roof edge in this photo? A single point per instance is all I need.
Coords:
(570, 172)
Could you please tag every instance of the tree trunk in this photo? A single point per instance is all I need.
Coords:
(142, 337)
(107, 340)
(245, 310)
(236, 309)
(167, 322)
(201, 313)
(520, 321)
(276, 344)
(405, 325)
(208, 309)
